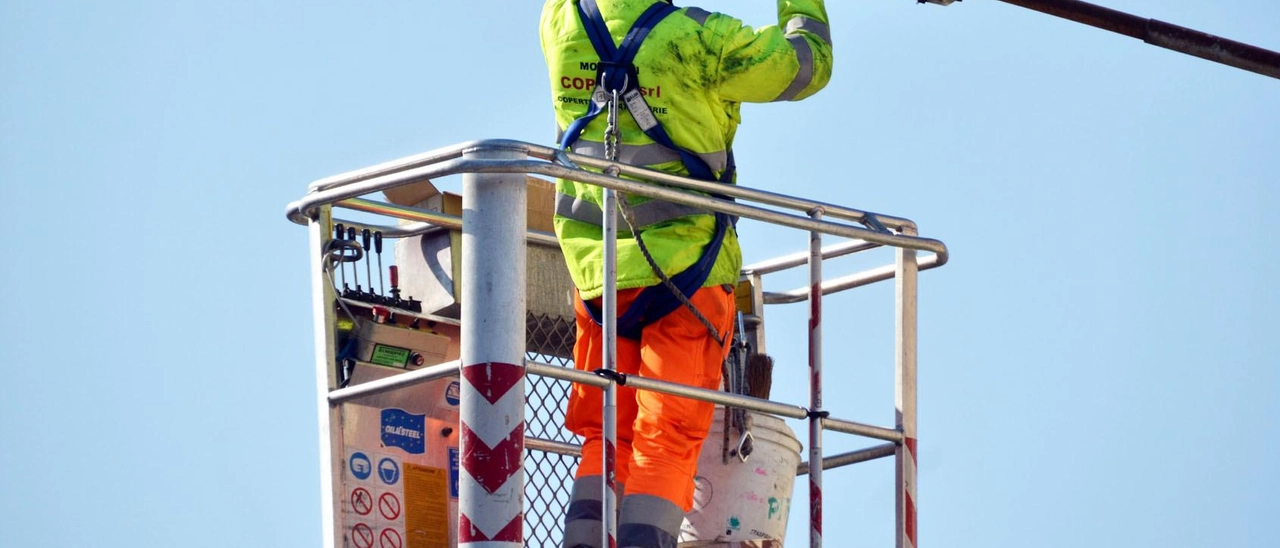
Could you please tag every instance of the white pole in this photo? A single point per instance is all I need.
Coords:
(331, 454)
(609, 334)
(815, 383)
(905, 394)
(491, 479)
(609, 330)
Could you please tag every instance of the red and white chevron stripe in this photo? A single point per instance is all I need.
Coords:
(907, 483)
(815, 514)
(611, 491)
(492, 456)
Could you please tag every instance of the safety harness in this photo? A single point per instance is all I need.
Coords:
(616, 72)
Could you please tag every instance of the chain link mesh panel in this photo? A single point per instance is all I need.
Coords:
(549, 476)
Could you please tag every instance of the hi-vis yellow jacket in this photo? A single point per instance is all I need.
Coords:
(695, 70)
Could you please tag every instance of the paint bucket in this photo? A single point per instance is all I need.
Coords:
(743, 501)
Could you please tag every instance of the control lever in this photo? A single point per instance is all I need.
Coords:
(355, 270)
(340, 233)
(377, 246)
(395, 285)
(365, 239)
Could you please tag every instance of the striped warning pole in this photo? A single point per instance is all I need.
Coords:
(491, 475)
(815, 383)
(905, 393)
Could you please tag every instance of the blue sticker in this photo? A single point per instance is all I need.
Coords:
(452, 394)
(361, 467)
(453, 472)
(388, 471)
(404, 430)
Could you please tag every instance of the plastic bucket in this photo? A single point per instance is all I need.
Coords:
(742, 501)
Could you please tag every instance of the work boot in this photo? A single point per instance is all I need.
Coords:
(647, 521)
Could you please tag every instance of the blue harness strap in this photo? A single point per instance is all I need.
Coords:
(656, 301)
(616, 72)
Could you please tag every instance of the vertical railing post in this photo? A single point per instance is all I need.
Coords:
(815, 383)
(609, 334)
(905, 274)
(322, 299)
(491, 479)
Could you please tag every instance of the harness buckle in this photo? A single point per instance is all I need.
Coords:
(608, 72)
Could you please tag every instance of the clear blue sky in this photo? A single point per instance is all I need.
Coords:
(1098, 362)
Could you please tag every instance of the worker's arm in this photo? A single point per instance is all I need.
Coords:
(786, 62)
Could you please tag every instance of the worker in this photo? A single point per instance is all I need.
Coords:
(681, 77)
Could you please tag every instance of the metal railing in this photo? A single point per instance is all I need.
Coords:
(493, 218)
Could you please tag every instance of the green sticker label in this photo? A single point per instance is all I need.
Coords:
(390, 355)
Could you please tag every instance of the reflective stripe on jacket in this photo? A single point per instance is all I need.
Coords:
(695, 69)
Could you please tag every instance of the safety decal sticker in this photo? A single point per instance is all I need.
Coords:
(453, 472)
(390, 355)
(362, 536)
(360, 466)
(405, 430)
(390, 538)
(389, 506)
(389, 471)
(426, 506)
(453, 393)
(361, 501)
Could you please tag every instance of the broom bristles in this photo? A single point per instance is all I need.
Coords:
(759, 376)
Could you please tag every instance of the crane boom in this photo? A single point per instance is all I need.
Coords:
(1157, 33)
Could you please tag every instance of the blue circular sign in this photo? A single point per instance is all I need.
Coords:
(452, 393)
(360, 465)
(388, 471)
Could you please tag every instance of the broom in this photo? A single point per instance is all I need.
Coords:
(759, 376)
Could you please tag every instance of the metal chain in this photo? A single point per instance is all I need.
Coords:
(612, 136)
(627, 216)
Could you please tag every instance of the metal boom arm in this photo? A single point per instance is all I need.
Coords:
(1157, 33)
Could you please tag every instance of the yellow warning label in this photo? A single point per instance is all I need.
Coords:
(426, 507)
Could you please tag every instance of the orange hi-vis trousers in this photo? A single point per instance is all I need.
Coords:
(659, 435)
